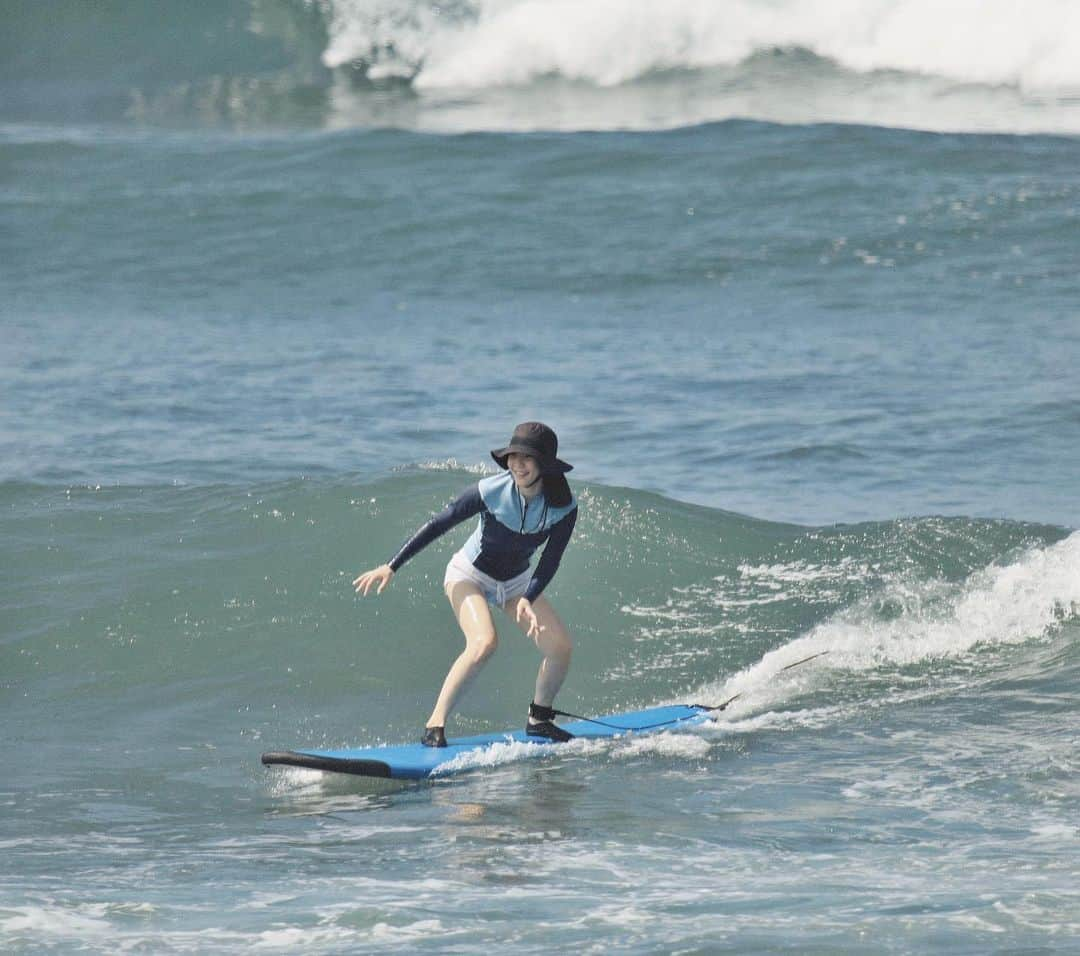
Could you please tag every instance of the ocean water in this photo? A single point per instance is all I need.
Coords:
(798, 289)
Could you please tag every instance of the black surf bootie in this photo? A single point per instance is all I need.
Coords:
(433, 737)
(540, 724)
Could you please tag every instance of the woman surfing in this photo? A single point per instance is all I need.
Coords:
(528, 504)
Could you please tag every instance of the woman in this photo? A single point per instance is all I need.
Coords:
(528, 504)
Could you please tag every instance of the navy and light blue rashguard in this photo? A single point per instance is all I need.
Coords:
(509, 532)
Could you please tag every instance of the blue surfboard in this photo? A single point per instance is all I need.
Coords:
(416, 762)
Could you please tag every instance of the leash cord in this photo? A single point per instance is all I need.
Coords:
(601, 723)
(719, 707)
(678, 720)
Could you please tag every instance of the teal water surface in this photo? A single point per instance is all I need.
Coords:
(803, 311)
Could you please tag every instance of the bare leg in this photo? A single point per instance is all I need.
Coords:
(473, 614)
(554, 644)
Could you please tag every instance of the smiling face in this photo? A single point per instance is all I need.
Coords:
(526, 472)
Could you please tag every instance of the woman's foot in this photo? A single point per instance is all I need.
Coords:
(540, 724)
(547, 730)
(433, 737)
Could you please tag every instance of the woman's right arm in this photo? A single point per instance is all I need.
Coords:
(460, 509)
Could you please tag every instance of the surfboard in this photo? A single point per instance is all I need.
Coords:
(417, 762)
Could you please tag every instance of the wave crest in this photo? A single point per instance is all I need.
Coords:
(483, 43)
(463, 65)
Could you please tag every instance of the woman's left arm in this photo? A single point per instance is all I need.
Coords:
(553, 552)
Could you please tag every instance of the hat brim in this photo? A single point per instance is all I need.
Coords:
(548, 466)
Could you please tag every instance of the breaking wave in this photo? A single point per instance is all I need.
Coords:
(552, 64)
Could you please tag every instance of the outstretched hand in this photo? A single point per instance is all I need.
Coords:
(380, 576)
(525, 613)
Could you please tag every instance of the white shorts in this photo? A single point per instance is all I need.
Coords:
(498, 593)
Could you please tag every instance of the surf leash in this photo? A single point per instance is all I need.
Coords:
(629, 730)
(678, 720)
(730, 700)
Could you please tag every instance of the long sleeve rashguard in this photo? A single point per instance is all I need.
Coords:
(508, 534)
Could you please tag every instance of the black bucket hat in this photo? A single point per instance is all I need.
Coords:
(538, 441)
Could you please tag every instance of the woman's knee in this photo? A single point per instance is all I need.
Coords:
(482, 646)
(564, 647)
(556, 645)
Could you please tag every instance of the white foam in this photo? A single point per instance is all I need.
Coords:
(421, 929)
(624, 746)
(1000, 605)
(491, 756)
(452, 464)
(84, 925)
(686, 746)
(45, 922)
(301, 939)
(638, 64)
(511, 751)
(1034, 45)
